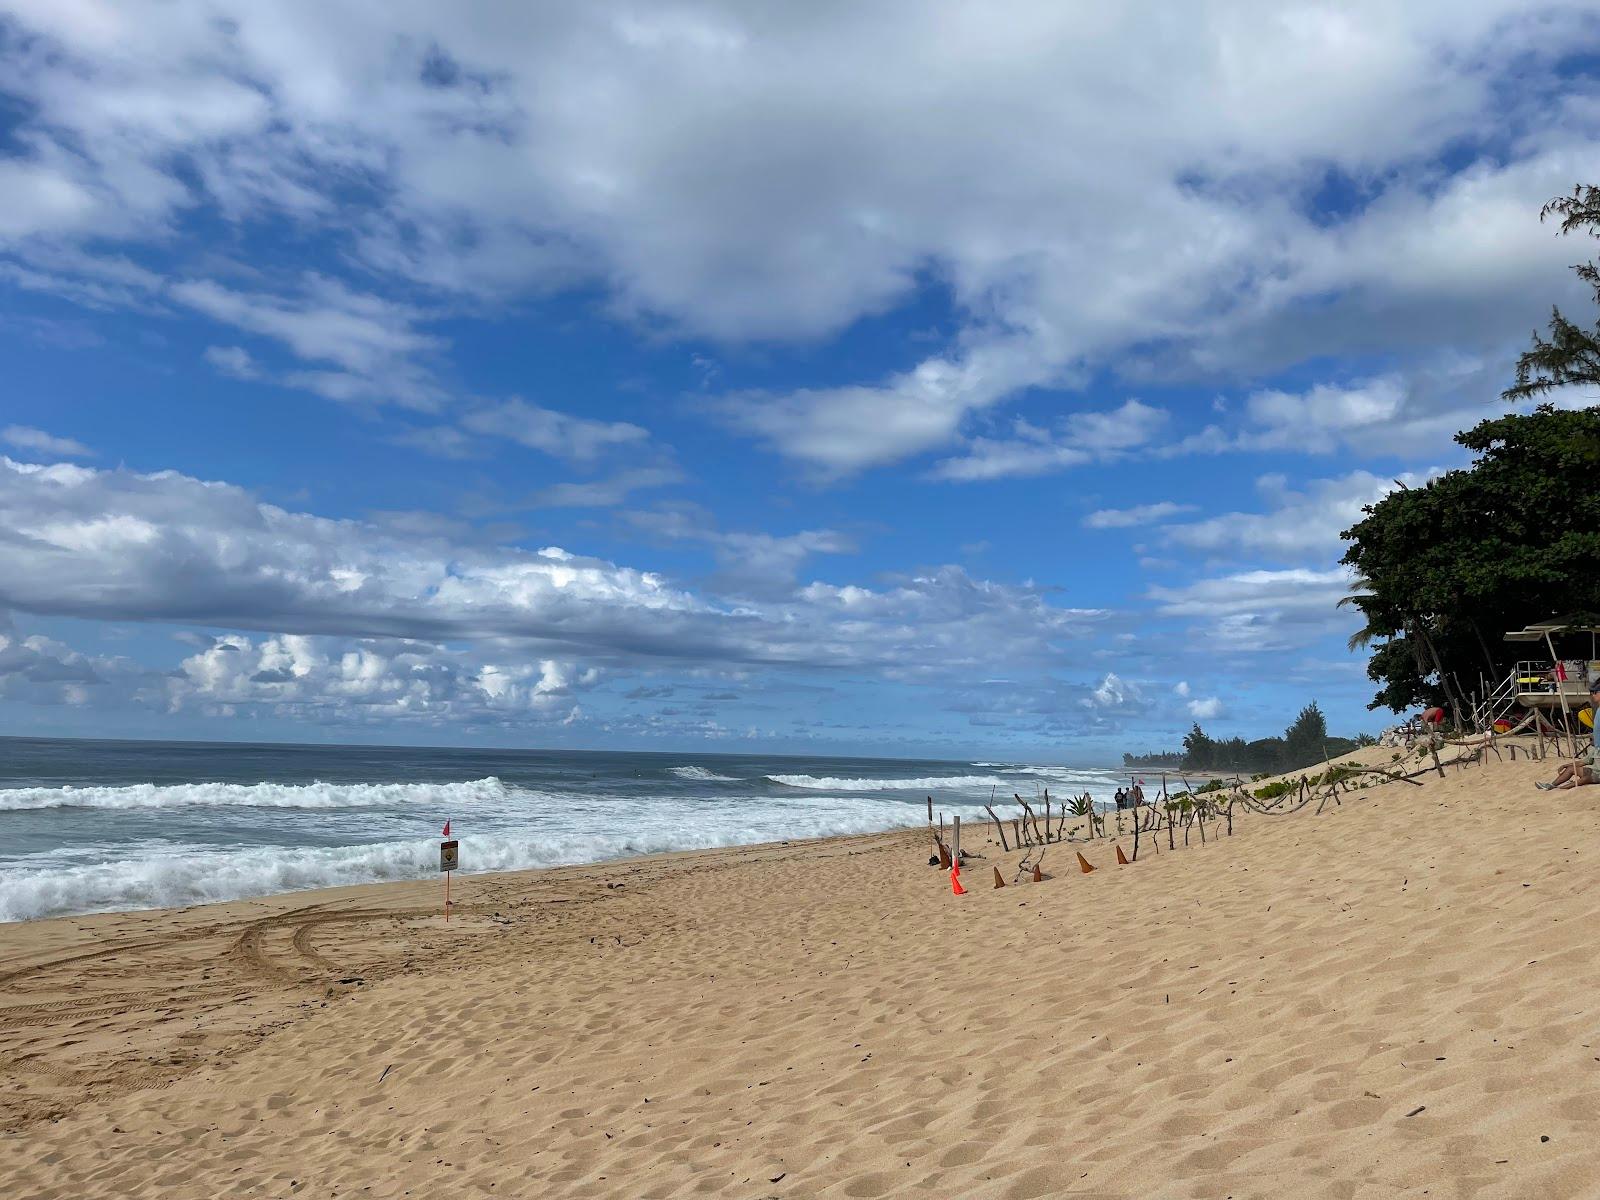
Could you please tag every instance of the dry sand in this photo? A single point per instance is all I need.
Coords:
(1400, 996)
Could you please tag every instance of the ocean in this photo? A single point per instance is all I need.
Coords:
(92, 826)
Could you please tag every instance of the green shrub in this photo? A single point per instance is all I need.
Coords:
(1274, 790)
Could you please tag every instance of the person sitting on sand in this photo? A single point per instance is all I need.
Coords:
(1583, 770)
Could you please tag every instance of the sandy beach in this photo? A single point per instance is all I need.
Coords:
(1400, 996)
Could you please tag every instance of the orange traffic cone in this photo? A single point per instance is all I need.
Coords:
(1038, 875)
(955, 882)
(1122, 859)
(1084, 864)
(998, 882)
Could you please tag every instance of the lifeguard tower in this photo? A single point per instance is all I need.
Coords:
(1539, 688)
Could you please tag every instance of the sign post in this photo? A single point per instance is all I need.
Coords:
(449, 860)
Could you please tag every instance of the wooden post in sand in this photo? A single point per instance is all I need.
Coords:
(955, 840)
(1026, 814)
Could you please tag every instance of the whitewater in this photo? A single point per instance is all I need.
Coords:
(97, 826)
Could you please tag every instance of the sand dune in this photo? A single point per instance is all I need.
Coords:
(1400, 996)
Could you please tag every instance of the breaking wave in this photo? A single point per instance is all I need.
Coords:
(161, 874)
(700, 775)
(253, 795)
(828, 783)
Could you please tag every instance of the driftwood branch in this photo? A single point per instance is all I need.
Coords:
(998, 828)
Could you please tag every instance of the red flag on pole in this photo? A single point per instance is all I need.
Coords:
(446, 829)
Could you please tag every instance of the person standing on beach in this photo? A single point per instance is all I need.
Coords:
(1122, 799)
(1583, 770)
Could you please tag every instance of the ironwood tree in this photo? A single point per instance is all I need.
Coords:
(1570, 355)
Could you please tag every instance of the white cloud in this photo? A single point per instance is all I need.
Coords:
(168, 548)
(41, 198)
(320, 680)
(751, 563)
(1403, 415)
(1083, 437)
(1301, 524)
(607, 492)
(1297, 588)
(1181, 688)
(443, 441)
(369, 342)
(1318, 419)
(1205, 708)
(233, 361)
(1141, 514)
(1260, 611)
(371, 680)
(1114, 693)
(25, 437)
(696, 170)
(559, 434)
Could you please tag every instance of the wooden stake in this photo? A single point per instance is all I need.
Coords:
(998, 828)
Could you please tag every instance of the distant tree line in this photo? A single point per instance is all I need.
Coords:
(1306, 742)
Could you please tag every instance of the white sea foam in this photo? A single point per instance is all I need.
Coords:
(828, 783)
(1063, 772)
(700, 775)
(151, 874)
(254, 795)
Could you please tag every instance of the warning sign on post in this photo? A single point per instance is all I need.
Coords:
(449, 856)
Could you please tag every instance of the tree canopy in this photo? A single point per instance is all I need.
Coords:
(1445, 570)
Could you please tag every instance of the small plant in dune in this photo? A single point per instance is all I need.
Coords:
(1083, 807)
(1273, 790)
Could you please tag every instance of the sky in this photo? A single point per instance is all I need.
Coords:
(913, 378)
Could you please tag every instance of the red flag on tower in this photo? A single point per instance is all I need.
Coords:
(446, 832)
